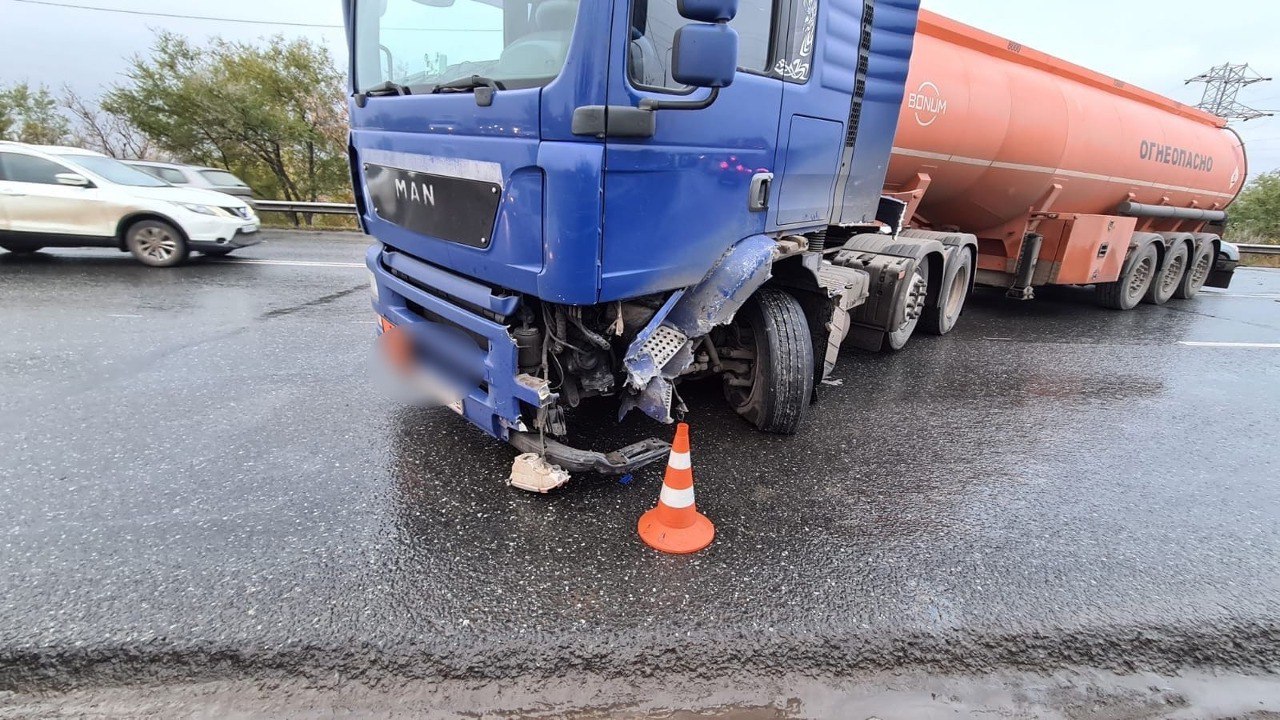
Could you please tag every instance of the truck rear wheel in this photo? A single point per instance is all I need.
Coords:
(1128, 291)
(772, 326)
(1171, 273)
(915, 293)
(1197, 273)
(942, 317)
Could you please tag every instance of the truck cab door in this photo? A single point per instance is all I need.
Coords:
(674, 202)
(840, 109)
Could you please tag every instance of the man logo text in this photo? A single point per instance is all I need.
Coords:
(423, 193)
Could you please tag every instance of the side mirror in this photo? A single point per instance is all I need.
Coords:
(705, 55)
(708, 11)
(73, 179)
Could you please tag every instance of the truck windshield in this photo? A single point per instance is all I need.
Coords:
(423, 44)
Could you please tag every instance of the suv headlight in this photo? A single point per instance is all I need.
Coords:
(199, 209)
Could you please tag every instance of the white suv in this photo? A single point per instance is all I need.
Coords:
(67, 197)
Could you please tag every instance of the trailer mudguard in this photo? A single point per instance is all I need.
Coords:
(664, 348)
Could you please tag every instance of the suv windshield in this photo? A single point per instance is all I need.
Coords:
(114, 171)
(426, 43)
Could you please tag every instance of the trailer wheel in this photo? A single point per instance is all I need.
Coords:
(1197, 273)
(773, 328)
(915, 295)
(942, 318)
(1170, 277)
(1127, 292)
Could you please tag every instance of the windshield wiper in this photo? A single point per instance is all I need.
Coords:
(390, 87)
(482, 86)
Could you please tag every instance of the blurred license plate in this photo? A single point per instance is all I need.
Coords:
(249, 229)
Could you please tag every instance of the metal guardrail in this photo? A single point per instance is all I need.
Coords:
(346, 209)
(1259, 249)
(305, 207)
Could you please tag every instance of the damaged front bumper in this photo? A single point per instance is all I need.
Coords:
(456, 334)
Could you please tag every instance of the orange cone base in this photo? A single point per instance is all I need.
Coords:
(676, 541)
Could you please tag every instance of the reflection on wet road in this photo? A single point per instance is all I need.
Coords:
(197, 478)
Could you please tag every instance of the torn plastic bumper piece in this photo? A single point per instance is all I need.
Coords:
(664, 349)
(618, 462)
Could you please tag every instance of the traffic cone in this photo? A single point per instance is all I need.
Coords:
(675, 526)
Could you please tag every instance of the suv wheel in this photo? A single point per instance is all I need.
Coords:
(156, 243)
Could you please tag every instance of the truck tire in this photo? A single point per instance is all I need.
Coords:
(1198, 270)
(156, 243)
(915, 293)
(942, 317)
(1166, 283)
(1128, 291)
(773, 325)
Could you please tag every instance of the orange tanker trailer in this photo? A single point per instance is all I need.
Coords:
(1066, 176)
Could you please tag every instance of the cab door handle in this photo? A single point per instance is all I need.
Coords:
(758, 200)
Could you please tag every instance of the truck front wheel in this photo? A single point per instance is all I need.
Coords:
(772, 336)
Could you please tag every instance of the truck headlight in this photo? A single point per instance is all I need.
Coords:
(373, 285)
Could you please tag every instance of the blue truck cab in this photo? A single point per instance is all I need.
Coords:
(601, 199)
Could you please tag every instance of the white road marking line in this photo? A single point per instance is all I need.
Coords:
(1259, 296)
(1243, 345)
(290, 263)
(125, 316)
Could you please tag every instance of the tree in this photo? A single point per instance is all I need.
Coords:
(273, 113)
(99, 130)
(31, 115)
(1256, 215)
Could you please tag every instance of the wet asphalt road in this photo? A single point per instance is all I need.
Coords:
(198, 482)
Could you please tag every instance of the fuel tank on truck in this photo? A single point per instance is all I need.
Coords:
(995, 126)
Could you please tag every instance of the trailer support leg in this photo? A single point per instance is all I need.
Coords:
(1027, 258)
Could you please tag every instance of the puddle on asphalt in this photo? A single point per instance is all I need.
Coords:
(913, 695)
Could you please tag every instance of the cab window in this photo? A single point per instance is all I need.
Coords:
(18, 167)
(653, 29)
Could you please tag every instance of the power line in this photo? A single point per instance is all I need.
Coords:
(176, 16)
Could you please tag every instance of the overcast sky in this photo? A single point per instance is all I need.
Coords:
(1156, 44)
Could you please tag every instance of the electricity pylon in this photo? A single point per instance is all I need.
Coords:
(1222, 90)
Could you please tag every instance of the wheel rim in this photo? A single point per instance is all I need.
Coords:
(913, 307)
(746, 401)
(1200, 271)
(1140, 280)
(156, 244)
(1173, 274)
(958, 292)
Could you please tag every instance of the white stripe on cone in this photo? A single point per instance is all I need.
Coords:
(676, 499)
(680, 461)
